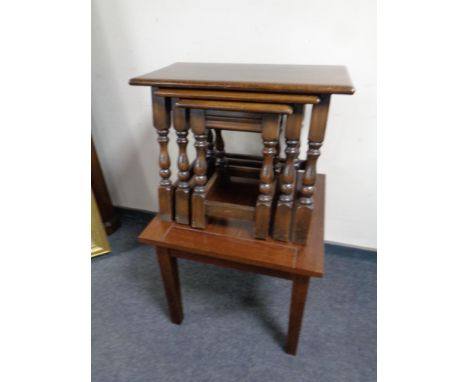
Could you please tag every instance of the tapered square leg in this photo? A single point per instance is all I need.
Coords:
(170, 276)
(296, 312)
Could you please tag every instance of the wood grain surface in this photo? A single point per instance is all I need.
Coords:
(232, 241)
(301, 79)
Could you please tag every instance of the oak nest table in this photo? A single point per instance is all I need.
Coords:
(274, 223)
(229, 244)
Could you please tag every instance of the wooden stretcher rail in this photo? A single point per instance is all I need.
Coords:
(235, 106)
(238, 96)
(224, 210)
(247, 126)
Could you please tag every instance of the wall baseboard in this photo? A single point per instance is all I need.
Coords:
(135, 211)
(351, 246)
(351, 251)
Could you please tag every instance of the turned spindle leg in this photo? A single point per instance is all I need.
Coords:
(197, 124)
(210, 152)
(162, 122)
(284, 209)
(277, 161)
(182, 193)
(270, 129)
(305, 206)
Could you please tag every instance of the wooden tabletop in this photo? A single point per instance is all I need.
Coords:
(233, 241)
(303, 79)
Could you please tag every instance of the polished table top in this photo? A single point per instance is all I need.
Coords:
(302, 79)
(234, 241)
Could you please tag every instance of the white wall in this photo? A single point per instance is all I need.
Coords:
(130, 38)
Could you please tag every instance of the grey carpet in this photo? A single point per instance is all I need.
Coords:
(235, 322)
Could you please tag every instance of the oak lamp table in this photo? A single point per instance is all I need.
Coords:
(230, 244)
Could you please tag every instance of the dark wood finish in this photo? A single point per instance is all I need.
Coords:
(270, 131)
(197, 124)
(305, 205)
(284, 209)
(223, 210)
(244, 165)
(231, 199)
(98, 184)
(241, 192)
(297, 79)
(162, 122)
(210, 185)
(229, 244)
(277, 162)
(252, 126)
(219, 149)
(230, 264)
(237, 115)
(235, 106)
(210, 153)
(183, 191)
(239, 96)
(232, 240)
(234, 197)
(170, 277)
(238, 169)
(246, 157)
(296, 312)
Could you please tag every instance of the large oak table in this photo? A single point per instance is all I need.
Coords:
(230, 244)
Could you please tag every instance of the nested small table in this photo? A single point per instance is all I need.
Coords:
(264, 99)
(230, 244)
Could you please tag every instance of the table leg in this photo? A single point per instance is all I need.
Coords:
(296, 312)
(200, 167)
(170, 276)
(270, 131)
